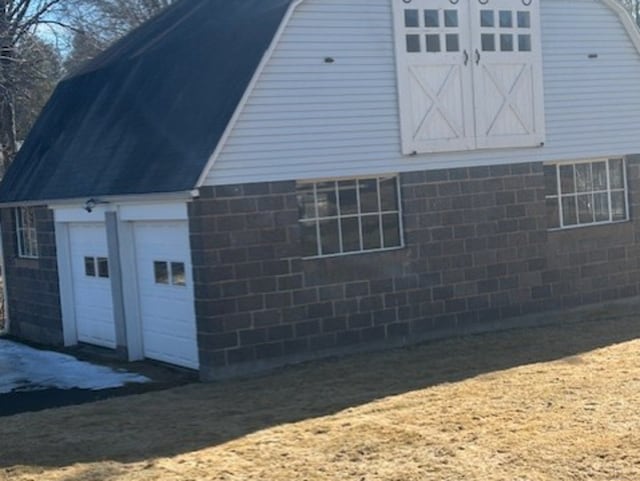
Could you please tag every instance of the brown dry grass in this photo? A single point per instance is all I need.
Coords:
(547, 404)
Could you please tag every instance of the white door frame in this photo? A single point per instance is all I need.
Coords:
(63, 218)
(128, 214)
(125, 288)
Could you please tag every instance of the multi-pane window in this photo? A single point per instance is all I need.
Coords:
(96, 267)
(26, 232)
(586, 193)
(431, 30)
(349, 216)
(505, 30)
(169, 273)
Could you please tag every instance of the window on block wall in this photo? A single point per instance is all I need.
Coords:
(586, 193)
(349, 216)
(26, 232)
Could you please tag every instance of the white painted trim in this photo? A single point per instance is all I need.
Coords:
(339, 216)
(5, 299)
(65, 280)
(627, 20)
(247, 93)
(151, 212)
(79, 214)
(558, 196)
(115, 276)
(107, 199)
(128, 212)
(131, 298)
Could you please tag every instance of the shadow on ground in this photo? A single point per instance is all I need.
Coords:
(189, 418)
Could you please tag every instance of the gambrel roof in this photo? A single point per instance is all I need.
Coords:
(151, 113)
(146, 115)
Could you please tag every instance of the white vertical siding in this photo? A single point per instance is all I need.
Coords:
(309, 119)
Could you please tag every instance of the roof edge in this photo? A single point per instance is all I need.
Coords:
(185, 195)
(266, 57)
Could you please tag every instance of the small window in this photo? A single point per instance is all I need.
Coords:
(170, 273)
(178, 274)
(413, 43)
(487, 18)
(26, 232)
(349, 216)
(524, 20)
(90, 266)
(450, 18)
(433, 43)
(96, 267)
(103, 267)
(161, 271)
(488, 42)
(411, 18)
(506, 42)
(431, 18)
(586, 193)
(453, 42)
(506, 19)
(524, 43)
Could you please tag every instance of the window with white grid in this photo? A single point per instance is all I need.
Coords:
(349, 216)
(586, 193)
(27, 235)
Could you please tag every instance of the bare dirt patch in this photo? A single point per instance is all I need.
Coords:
(546, 404)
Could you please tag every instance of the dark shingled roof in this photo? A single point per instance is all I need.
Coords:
(146, 114)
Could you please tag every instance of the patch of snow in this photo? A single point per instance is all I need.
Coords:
(23, 368)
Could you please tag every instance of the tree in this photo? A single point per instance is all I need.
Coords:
(634, 8)
(84, 46)
(19, 22)
(98, 23)
(39, 74)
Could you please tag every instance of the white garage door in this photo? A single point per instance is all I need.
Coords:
(166, 292)
(92, 285)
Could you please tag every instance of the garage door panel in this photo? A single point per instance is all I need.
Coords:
(181, 352)
(167, 308)
(93, 302)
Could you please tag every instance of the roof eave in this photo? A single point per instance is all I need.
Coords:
(184, 196)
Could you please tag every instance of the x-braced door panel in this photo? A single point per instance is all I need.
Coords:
(437, 92)
(507, 74)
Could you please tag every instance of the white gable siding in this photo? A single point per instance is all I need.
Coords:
(311, 119)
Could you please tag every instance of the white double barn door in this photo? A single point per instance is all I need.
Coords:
(469, 74)
(164, 284)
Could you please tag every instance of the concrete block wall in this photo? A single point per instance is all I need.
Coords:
(478, 256)
(32, 284)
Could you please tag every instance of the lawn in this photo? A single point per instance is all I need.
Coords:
(544, 404)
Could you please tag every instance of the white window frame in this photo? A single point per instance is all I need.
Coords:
(26, 250)
(317, 219)
(558, 196)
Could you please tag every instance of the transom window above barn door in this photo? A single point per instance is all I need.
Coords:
(469, 74)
